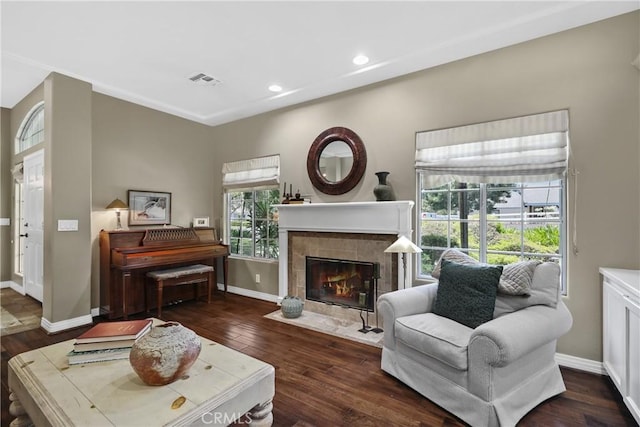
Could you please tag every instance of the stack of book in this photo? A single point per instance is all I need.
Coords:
(108, 341)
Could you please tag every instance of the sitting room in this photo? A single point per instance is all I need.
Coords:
(367, 213)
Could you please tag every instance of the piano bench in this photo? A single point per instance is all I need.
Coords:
(188, 275)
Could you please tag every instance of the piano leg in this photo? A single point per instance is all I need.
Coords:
(125, 276)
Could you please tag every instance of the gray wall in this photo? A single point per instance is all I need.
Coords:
(67, 148)
(6, 187)
(136, 148)
(586, 70)
(67, 196)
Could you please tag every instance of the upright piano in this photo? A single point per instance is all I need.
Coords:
(127, 255)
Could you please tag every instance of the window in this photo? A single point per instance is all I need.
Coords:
(251, 191)
(493, 223)
(31, 131)
(253, 226)
(18, 229)
(495, 190)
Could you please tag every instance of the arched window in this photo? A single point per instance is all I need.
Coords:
(31, 130)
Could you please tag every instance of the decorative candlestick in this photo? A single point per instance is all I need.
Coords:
(365, 328)
(376, 276)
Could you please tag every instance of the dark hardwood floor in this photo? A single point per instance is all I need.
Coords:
(322, 380)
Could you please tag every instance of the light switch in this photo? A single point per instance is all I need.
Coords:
(67, 225)
(5, 221)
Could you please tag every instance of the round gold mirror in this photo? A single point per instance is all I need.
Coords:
(336, 161)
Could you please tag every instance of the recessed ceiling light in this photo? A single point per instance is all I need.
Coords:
(360, 60)
(275, 88)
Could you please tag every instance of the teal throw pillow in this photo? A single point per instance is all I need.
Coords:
(467, 293)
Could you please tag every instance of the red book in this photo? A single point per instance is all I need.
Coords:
(113, 331)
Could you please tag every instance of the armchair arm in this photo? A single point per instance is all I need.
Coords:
(404, 302)
(509, 337)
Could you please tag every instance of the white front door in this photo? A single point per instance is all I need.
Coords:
(34, 224)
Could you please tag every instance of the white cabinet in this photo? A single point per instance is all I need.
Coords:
(621, 333)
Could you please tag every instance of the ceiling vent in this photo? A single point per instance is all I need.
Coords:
(204, 79)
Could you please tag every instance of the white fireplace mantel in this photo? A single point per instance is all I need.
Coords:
(352, 217)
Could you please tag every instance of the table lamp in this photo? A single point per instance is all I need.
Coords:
(404, 246)
(117, 204)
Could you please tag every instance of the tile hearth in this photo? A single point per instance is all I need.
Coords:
(333, 326)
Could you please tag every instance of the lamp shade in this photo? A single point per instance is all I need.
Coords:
(117, 204)
(404, 246)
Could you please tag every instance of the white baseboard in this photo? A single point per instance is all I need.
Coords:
(55, 327)
(49, 327)
(13, 285)
(580, 364)
(249, 293)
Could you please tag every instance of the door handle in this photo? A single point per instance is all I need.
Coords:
(24, 235)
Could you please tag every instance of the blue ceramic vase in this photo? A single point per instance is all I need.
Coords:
(291, 307)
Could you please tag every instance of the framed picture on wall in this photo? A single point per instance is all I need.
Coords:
(201, 222)
(149, 208)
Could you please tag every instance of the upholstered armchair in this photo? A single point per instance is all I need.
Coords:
(488, 375)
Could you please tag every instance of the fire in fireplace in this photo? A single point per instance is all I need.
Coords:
(341, 282)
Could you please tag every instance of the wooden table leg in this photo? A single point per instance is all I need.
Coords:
(125, 275)
(17, 410)
(261, 415)
(159, 287)
(210, 283)
(146, 297)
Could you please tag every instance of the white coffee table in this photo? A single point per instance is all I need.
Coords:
(222, 386)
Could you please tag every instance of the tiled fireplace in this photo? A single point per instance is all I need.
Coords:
(358, 232)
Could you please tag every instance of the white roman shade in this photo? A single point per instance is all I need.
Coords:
(251, 173)
(529, 148)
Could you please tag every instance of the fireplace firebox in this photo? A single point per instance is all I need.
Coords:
(340, 282)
